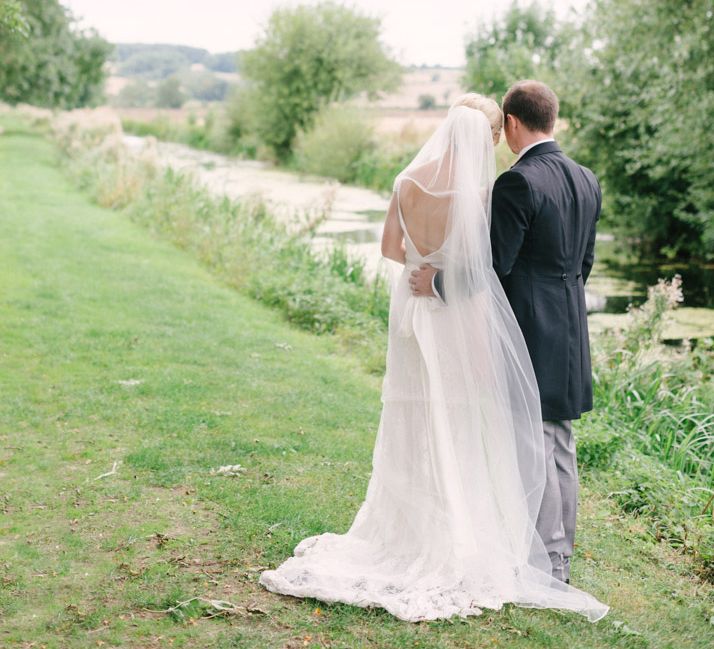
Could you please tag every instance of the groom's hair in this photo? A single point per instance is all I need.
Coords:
(533, 103)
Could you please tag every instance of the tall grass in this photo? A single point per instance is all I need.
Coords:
(661, 398)
(210, 133)
(650, 437)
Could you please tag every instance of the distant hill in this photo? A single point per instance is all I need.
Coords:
(165, 75)
(156, 61)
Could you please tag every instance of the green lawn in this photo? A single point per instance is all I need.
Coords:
(116, 347)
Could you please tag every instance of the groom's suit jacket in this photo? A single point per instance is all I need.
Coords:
(544, 215)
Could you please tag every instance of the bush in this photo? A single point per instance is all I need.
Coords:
(660, 399)
(210, 133)
(135, 94)
(334, 145)
(203, 86)
(241, 110)
(426, 102)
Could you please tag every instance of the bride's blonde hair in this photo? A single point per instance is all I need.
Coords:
(487, 106)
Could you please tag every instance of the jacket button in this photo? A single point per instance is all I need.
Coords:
(564, 276)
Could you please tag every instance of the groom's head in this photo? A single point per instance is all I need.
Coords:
(529, 111)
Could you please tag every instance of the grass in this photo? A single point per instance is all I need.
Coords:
(119, 347)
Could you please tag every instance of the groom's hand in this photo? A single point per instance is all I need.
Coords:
(421, 281)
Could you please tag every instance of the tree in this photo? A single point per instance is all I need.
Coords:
(135, 93)
(308, 57)
(521, 45)
(426, 102)
(640, 82)
(203, 85)
(169, 94)
(223, 62)
(54, 64)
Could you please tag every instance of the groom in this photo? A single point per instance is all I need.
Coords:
(544, 214)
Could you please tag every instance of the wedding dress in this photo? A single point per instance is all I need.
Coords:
(447, 526)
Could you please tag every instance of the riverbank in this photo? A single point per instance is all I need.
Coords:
(352, 217)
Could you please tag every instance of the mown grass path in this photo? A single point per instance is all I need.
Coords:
(117, 347)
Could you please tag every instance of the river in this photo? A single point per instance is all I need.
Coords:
(354, 215)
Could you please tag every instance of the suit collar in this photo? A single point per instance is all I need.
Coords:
(540, 149)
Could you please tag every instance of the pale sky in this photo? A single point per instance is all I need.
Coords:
(430, 31)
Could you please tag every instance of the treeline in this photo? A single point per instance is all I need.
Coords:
(159, 60)
(635, 77)
(167, 76)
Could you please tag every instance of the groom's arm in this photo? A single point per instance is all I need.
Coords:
(511, 211)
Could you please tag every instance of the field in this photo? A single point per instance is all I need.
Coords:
(130, 372)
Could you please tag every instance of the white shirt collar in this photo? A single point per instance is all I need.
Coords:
(523, 151)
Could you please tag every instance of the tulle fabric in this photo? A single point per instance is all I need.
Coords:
(447, 526)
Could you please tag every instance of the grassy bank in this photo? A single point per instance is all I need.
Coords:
(119, 347)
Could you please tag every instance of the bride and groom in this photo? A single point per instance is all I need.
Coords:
(472, 499)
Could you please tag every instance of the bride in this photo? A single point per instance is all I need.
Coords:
(448, 523)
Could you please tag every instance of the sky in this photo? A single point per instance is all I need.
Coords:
(416, 32)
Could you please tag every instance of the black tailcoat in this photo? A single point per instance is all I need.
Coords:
(544, 215)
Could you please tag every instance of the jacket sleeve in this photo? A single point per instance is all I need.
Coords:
(439, 285)
(589, 257)
(511, 214)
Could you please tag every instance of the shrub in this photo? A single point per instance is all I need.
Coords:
(169, 93)
(334, 145)
(426, 102)
(209, 133)
(136, 93)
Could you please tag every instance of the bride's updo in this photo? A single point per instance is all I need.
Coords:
(487, 106)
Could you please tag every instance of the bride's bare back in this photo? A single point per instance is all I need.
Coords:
(425, 214)
(425, 217)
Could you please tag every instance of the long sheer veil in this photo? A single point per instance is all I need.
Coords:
(458, 162)
(488, 384)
